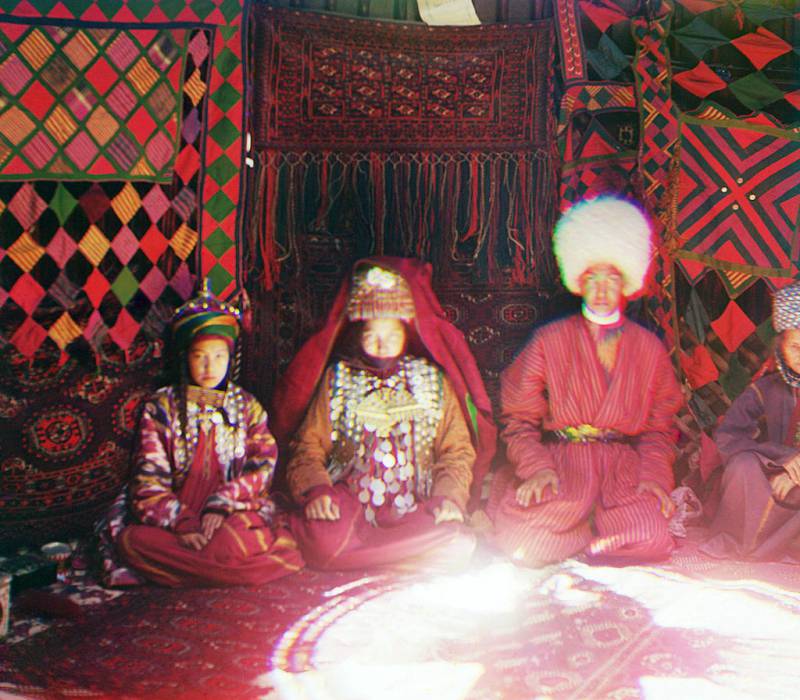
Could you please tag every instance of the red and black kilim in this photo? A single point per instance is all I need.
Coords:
(739, 197)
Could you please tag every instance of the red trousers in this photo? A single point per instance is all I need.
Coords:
(411, 542)
(245, 550)
(614, 523)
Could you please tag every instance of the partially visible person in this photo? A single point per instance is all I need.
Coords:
(197, 510)
(758, 516)
(383, 461)
(587, 409)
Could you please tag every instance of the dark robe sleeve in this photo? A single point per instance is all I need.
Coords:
(740, 430)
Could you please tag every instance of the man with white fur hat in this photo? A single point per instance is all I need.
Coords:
(587, 409)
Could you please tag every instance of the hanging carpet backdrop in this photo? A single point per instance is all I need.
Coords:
(67, 432)
(598, 134)
(120, 175)
(84, 261)
(595, 40)
(719, 96)
(598, 120)
(738, 198)
(331, 82)
(388, 138)
(657, 143)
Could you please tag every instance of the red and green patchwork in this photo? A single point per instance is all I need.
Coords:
(593, 97)
(605, 30)
(223, 157)
(659, 114)
(738, 54)
(216, 155)
(594, 176)
(88, 103)
(209, 12)
(83, 263)
(659, 134)
(597, 133)
(722, 341)
(600, 133)
(595, 40)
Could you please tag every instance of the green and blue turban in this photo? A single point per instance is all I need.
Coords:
(205, 316)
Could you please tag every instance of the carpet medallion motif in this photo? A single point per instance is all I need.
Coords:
(67, 433)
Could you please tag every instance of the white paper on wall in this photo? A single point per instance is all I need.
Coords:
(447, 12)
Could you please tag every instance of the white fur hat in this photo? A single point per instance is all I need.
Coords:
(605, 230)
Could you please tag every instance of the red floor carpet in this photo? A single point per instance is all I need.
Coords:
(691, 628)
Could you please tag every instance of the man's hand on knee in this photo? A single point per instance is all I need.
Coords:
(792, 468)
(782, 485)
(664, 501)
(535, 486)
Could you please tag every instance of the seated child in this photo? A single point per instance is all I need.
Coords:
(197, 512)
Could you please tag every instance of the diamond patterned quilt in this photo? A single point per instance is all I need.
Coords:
(91, 103)
(738, 55)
